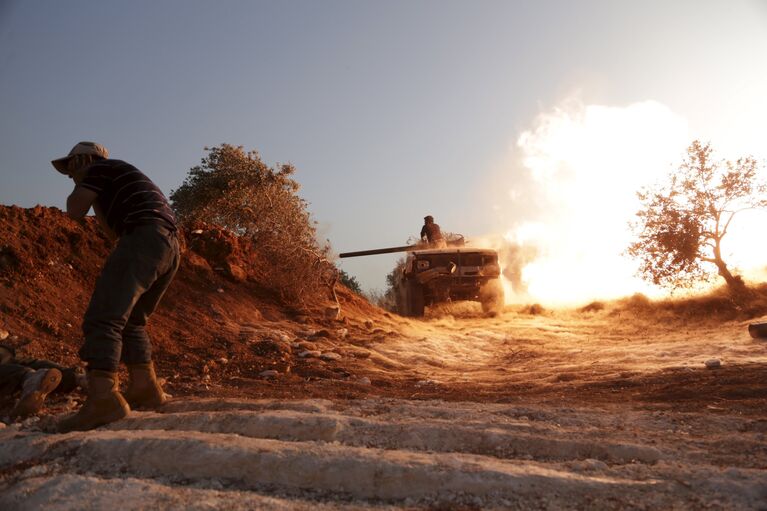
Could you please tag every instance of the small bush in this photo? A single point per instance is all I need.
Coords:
(382, 299)
(388, 299)
(349, 281)
(535, 309)
(595, 306)
(636, 302)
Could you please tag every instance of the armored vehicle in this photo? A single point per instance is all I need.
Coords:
(437, 275)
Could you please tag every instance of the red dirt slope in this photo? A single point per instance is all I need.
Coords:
(48, 264)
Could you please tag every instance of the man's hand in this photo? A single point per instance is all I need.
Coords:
(102, 220)
(79, 202)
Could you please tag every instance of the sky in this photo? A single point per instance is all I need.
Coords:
(393, 110)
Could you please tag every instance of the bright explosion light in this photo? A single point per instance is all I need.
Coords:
(583, 166)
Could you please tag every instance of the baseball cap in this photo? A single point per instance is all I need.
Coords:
(91, 148)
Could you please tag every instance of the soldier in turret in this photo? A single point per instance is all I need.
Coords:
(431, 233)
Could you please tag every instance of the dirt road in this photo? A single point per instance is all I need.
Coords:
(561, 410)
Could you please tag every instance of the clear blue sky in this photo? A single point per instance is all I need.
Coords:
(390, 110)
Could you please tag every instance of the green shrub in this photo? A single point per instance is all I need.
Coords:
(349, 281)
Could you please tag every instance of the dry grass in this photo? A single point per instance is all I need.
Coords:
(718, 305)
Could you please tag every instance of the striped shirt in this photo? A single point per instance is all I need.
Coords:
(127, 197)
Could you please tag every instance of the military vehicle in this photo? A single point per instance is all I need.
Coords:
(432, 275)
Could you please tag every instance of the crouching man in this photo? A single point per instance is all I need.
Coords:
(33, 380)
(133, 211)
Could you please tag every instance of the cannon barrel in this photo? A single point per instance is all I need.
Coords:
(389, 250)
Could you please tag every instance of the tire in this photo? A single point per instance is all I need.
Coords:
(415, 299)
(401, 300)
(491, 297)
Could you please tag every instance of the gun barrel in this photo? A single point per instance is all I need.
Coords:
(389, 250)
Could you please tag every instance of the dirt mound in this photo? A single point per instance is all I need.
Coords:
(212, 326)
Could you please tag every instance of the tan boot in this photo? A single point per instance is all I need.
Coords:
(35, 388)
(144, 391)
(104, 404)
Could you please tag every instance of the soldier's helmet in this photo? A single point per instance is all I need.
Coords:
(428, 219)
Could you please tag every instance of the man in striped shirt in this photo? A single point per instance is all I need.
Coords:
(133, 211)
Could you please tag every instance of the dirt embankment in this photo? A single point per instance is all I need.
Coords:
(218, 324)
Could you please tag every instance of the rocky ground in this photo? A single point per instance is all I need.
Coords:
(391, 454)
(625, 405)
(582, 421)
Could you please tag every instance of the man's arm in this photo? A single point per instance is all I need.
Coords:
(79, 202)
(102, 220)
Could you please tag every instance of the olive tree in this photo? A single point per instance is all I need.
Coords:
(682, 222)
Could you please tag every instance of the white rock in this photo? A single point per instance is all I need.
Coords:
(342, 333)
(269, 373)
(4, 335)
(364, 381)
(220, 290)
(223, 360)
(330, 356)
(30, 421)
(310, 353)
(197, 231)
(593, 464)
(713, 363)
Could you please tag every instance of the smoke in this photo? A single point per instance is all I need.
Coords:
(515, 258)
(573, 178)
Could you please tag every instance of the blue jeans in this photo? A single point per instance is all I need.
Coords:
(134, 279)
